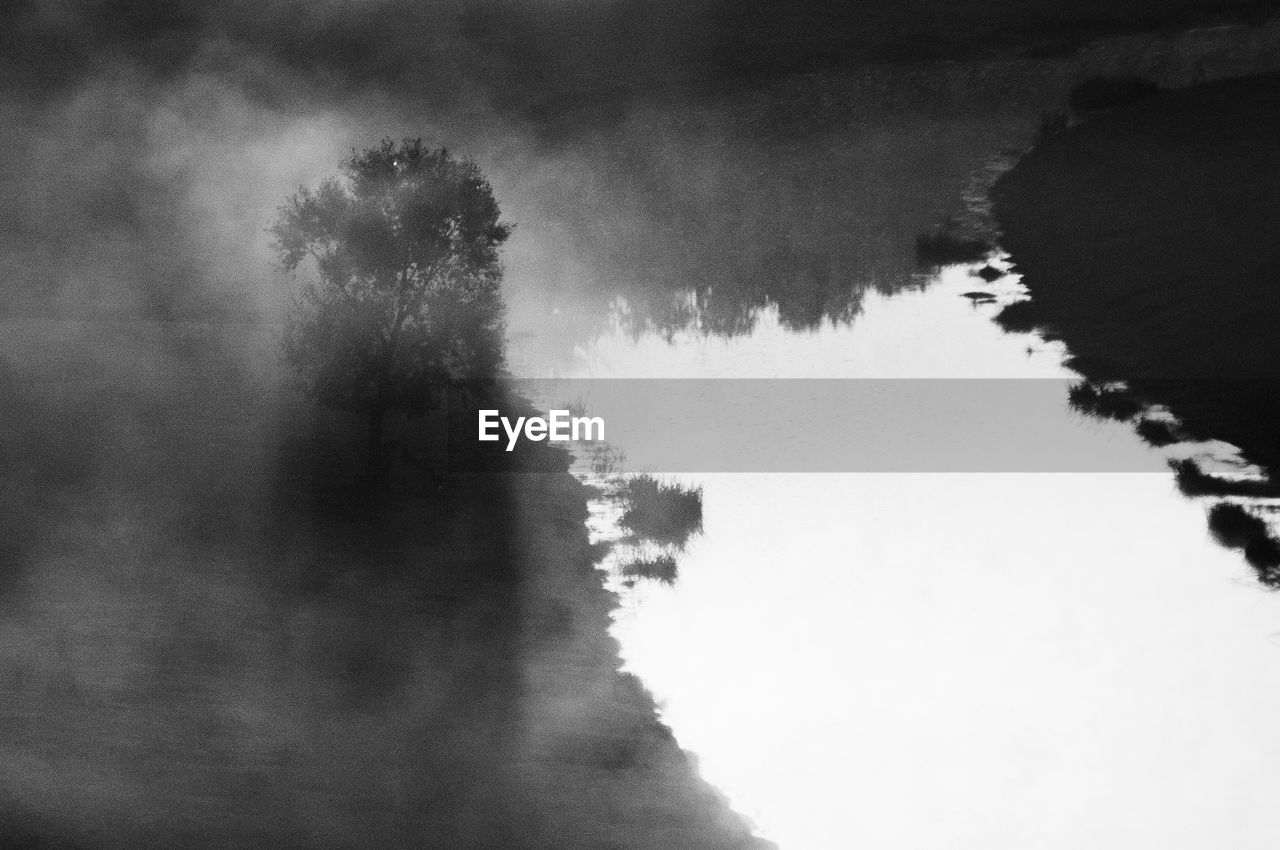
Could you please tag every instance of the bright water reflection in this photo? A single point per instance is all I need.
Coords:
(958, 660)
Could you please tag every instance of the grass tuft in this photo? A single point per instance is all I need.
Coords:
(667, 514)
(1019, 317)
(660, 568)
(1157, 432)
(1194, 482)
(1099, 401)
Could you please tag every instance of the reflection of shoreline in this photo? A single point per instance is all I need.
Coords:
(214, 638)
(1146, 237)
(599, 469)
(594, 732)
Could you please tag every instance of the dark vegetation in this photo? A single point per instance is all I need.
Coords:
(1098, 368)
(522, 56)
(661, 568)
(666, 514)
(1019, 317)
(1193, 481)
(1234, 527)
(1103, 401)
(1158, 432)
(217, 636)
(659, 520)
(793, 196)
(1145, 237)
(212, 636)
(405, 247)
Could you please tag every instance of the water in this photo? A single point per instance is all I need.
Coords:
(961, 660)
(907, 660)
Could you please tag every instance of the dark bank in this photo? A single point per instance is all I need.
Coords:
(235, 615)
(1145, 237)
(209, 651)
(246, 611)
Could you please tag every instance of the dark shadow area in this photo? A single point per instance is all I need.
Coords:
(698, 164)
(217, 632)
(1236, 528)
(1020, 317)
(1145, 238)
(791, 198)
(521, 54)
(943, 248)
(233, 618)
(1096, 95)
(1192, 481)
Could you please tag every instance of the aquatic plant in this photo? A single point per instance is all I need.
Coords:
(1157, 432)
(606, 459)
(1100, 401)
(576, 407)
(1263, 554)
(660, 568)
(1098, 369)
(1235, 527)
(1192, 481)
(667, 514)
(1019, 317)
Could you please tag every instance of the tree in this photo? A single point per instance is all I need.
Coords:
(407, 298)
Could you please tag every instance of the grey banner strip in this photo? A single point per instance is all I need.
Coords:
(919, 425)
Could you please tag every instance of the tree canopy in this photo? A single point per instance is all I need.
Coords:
(405, 245)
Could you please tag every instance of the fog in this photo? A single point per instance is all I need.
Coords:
(202, 627)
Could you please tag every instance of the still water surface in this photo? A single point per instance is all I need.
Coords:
(961, 660)
(906, 660)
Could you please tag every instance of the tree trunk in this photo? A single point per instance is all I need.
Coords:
(376, 465)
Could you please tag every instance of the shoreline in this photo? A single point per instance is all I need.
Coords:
(1146, 238)
(234, 647)
(596, 722)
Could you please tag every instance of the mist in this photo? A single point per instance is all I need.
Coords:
(209, 636)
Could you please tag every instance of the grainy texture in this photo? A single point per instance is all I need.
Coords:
(1147, 237)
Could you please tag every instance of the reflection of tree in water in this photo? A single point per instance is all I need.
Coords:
(655, 520)
(1242, 508)
(804, 289)
(697, 216)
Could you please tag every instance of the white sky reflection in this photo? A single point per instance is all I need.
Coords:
(978, 661)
